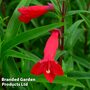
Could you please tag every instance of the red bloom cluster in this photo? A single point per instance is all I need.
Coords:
(30, 12)
(48, 66)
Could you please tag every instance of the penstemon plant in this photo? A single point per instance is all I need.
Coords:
(45, 44)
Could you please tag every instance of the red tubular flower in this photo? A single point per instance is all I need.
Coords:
(48, 66)
(30, 12)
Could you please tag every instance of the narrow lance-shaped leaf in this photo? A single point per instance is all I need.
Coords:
(79, 74)
(58, 80)
(77, 12)
(87, 21)
(72, 34)
(81, 61)
(28, 35)
(16, 54)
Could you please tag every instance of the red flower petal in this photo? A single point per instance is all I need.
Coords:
(37, 69)
(30, 12)
(49, 76)
(56, 68)
(24, 18)
(51, 46)
(49, 68)
(36, 11)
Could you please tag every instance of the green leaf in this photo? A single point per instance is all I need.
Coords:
(69, 64)
(87, 21)
(54, 2)
(36, 2)
(14, 24)
(59, 53)
(58, 80)
(16, 54)
(81, 61)
(73, 34)
(58, 87)
(79, 74)
(73, 88)
(0, 2)
(29, 54)
(62, 80)
(79, 4)
(82, 70)
(10, 68)
(29, 35)
(77, 12)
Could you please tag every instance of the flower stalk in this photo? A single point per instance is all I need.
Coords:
(62, 31)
